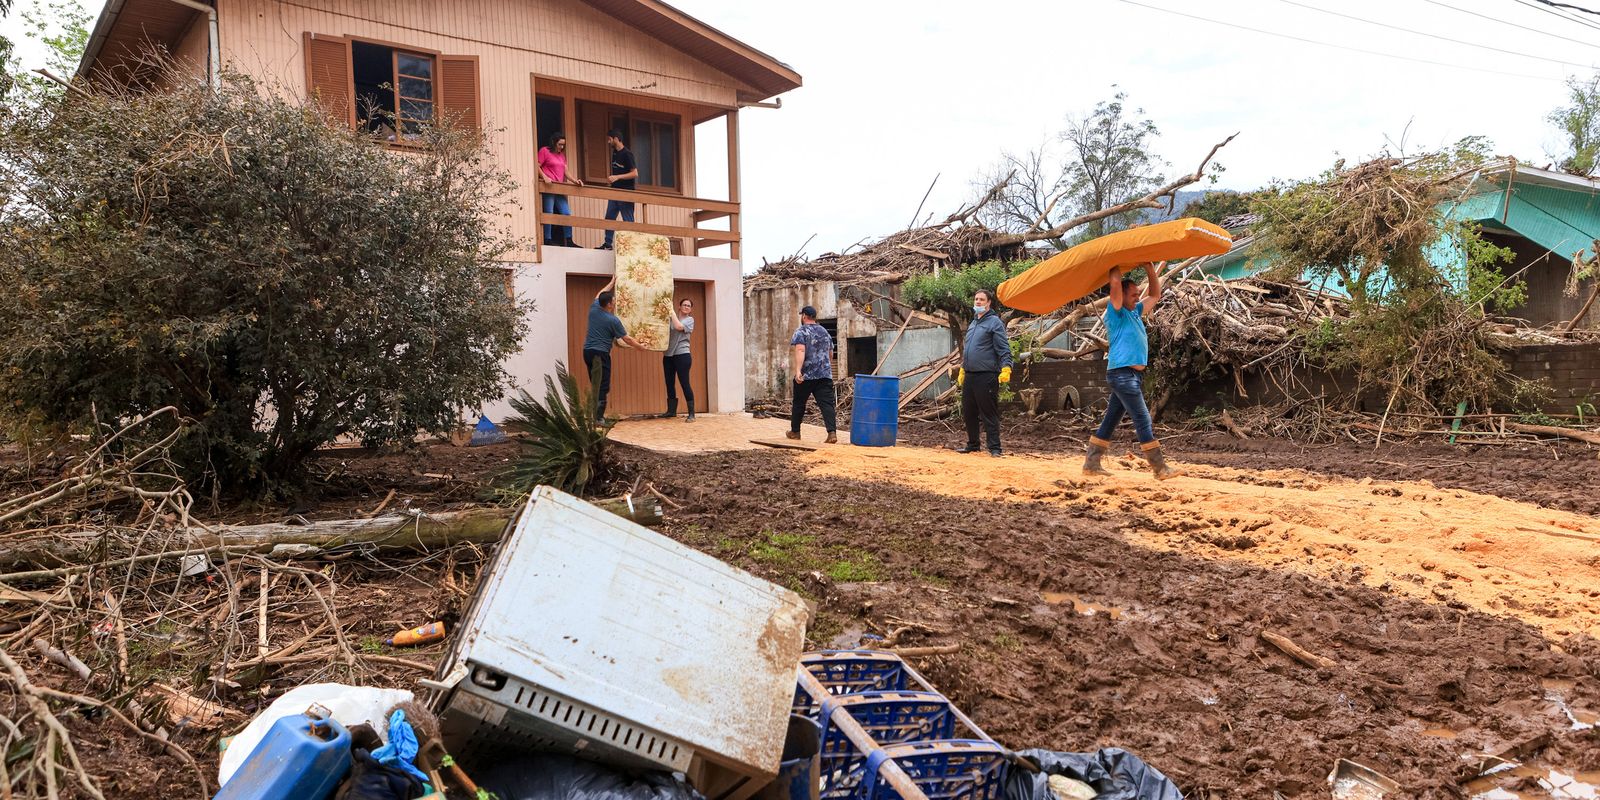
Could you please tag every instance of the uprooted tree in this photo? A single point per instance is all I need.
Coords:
(1421, 285)
(280, 280)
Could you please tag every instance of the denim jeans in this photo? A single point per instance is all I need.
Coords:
(557, 204)
(1127, 395)
(615, 208)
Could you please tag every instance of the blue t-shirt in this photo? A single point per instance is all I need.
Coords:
(818, 363)
(604, 329)
(1130, 347)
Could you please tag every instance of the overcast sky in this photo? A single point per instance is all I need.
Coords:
(897, 92)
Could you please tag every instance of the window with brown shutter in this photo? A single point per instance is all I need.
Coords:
(391, 90)
(328, 81)
(459, 103)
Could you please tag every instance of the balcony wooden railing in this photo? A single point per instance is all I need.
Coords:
(700, 210)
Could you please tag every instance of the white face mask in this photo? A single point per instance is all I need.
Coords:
(978, 310)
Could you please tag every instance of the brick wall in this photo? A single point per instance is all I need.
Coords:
(1058, 379)
(1571, 370)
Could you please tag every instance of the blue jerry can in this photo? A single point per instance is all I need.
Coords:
(302, 757)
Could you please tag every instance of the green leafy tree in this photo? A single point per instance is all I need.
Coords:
(1580, 123)
(1110, 161)
(950, 292)
(281, 280)
(1419, 282)
(62, 27)
(1101, 159)
(5, 54)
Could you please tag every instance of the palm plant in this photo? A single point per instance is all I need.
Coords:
(566, 436)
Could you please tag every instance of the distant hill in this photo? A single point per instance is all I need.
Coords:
(1183, 199)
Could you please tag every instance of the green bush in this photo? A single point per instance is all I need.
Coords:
(565, 446)
(282, 280)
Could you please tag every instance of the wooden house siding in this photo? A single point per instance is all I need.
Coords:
(522, 47)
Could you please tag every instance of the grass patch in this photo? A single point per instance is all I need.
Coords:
(782, 549)
(371, 645)
(860, 568)
(1006, 641)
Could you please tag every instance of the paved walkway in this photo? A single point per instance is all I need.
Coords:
(710, 433)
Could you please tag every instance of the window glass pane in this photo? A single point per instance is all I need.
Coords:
(667, 154)
(416, 66)
(642, 154)
(416, 88)
(416, 110)
(410, 129)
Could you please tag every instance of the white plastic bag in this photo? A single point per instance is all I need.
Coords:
(351, 705)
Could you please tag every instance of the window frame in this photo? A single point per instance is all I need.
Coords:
(631, 115)
(395, 50)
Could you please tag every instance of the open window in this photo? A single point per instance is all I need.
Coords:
(389, 89)
(394, 90)
(652, 136)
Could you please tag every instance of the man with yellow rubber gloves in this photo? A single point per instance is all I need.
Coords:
(985, 364)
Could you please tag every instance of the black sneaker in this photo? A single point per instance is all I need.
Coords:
(604, 247)
(968, 449)
(997, 454)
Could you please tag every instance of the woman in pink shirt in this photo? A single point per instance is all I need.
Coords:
(553, 169)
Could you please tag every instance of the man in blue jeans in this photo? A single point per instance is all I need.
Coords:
(1126, 359)
(604, 330)
(622, 174)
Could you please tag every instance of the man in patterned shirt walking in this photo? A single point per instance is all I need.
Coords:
(811, 357)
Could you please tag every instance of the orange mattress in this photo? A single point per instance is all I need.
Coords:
(1072, 274)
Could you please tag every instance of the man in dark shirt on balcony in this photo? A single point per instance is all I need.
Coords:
(622, 173)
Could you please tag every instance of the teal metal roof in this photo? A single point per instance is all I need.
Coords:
(1560, 213)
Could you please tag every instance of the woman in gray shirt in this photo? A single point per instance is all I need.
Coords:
(676, 360)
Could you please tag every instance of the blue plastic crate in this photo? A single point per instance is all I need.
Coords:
(889, 718)
(959, 769)
(844, 672)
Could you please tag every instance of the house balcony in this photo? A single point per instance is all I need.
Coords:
(675, 216)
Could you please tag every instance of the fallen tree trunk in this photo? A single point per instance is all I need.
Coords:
(391, 533)
(1582, 436)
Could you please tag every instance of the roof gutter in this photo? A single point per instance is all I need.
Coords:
(102, 31)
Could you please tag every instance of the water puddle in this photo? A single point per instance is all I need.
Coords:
(1080, 606)
(1551, 783)
(1581, 720)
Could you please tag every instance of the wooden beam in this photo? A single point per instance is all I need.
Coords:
(710, 214)
(720, 237)
(733, 178)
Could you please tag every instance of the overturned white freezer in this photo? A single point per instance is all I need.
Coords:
(593, 635)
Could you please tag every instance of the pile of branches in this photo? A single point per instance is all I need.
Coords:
(890, 260)
(131, 633)
(955, 241)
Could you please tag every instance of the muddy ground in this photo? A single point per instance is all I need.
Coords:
(1079, 625)
(1554, 474)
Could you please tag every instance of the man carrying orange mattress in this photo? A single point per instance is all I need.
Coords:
(1126, 357)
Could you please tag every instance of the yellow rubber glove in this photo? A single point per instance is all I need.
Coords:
(1005, 374)
(961, 377)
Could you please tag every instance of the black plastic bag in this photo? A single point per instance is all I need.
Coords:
(553, 776)
(370, 780)
(1114, 773)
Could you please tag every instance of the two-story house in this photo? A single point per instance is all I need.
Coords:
(521, 70)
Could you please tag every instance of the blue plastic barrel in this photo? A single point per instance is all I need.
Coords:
(875, 416)
(302, 757)
(799, 774)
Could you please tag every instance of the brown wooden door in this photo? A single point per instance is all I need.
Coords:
(637, 382)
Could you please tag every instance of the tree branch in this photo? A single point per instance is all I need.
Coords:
(1151, 200)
